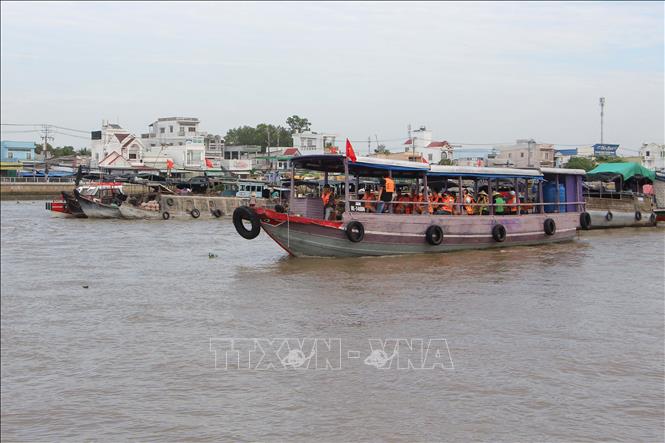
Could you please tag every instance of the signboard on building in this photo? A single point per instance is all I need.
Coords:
(605, 150)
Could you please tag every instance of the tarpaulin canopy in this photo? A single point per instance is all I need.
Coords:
(610, 171)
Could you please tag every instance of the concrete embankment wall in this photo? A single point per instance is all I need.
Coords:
(181, 206)
(19, 191)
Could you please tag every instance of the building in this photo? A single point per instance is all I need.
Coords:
(12, 151)
(114, 139)
(177, 139)
(12, 156)
(311, 143)
(240, 159)
(524, 153)
(214, 148)
(421, 145)
(652, 156)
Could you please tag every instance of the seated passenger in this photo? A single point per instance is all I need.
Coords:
(499, 203)
(398, 207)
(368, 198)
(468, 202)
(483, 201)
(512, 201)
(408, 206)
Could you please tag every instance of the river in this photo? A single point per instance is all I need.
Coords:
(116, 330)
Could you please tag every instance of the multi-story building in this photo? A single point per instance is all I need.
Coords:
(12, 156)
(421, 145)
(653, 156)
(214, 145)
(524, 154)
(177, 139)
(114, 139)
(310, 143)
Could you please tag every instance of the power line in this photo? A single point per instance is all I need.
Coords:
(70, 129)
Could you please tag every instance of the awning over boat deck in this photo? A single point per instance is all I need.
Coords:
(483, 172)
(611, 171)
(364, 166)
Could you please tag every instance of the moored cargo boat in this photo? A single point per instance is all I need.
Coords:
(614, 197)
(426, 224)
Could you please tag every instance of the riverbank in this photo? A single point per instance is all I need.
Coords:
(41, 190)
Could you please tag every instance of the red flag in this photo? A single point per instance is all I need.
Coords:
(169, 163)
(349, 151)
(208, 163)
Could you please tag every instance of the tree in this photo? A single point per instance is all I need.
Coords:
(580, 163)
(263, 135)
(298, 124)
(39, 149)
(382, 150)
(608, 159)
(83, 151)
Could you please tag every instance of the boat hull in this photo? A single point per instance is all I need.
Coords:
(388, 234)
(620, 219)
(93, 209)
(130, 212)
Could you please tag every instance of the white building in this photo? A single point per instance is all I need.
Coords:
(422, 145)
(524, 154)
(310, 143)
(653, 156)
(114, 139)
(177, 139)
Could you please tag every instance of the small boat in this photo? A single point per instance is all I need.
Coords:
(534, 215)
(145, 206)
(614, 197)
(102, 200)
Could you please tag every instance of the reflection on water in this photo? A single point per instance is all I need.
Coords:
(550, 343)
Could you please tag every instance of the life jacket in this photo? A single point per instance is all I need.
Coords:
(512, 201)
(448, 202)
(408, 207)
(326, 198)
(468, 200)
(368, 197)
(390, 184)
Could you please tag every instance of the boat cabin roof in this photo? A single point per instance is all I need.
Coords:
(363, 166)
(472, 171)
(563, 171)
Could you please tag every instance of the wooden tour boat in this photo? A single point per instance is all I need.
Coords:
(539, 215)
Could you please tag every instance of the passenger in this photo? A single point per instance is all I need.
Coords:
(328, 202)
(399, 207)
(434, 202)
(512, 202)
(368, 198)
(408, 206)
(386, 195)
(468, 202)
(448, 204)
(499, 203)
(483, 202)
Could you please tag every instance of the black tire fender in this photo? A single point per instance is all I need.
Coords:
(609, 216)
(499, 233)
(638, 215)
(217, 213)
(585, 220)
(434, 235)
(652, 219)
(280, 209)
(549, 225)
(355, 231)
(195, 213)
(245, 213)
(169, 201)
(166, 215)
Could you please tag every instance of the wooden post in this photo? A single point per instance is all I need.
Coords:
(426, 195)
(347, 205)
(490, 196)
(526, 191)
(541, 200)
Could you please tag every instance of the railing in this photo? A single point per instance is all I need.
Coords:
(36, 180)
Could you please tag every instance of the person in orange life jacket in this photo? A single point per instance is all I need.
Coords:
(368, 204)
(446, 207)
(468, 202)
(328, 202)
(434, 199)
(386, 195)
(399, 206)
(512, 201)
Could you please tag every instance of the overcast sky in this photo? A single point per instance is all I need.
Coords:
(472, 72)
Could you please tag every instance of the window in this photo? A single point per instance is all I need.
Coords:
(180, 143)
(430, 157)
(132, 156)
(192, 129)
(28, 156)
(161, 130)
(96, 155)
(227, 156)
(522, 154)
(171, 129)
(234, 155)
(152, 144)
(510, 155)
(647, 153)
(10, 154)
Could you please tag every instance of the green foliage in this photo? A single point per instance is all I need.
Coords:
(446, 162)
(39, 148)
(580, 163)
(298, 124)
(263, 135)
(83, 151)
(608, 159)
(381, 149)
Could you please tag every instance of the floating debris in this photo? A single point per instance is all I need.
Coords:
(85, 286)
(211, 255)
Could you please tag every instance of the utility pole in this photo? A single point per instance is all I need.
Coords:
(413, 145)
(602, 113)
(46, 138)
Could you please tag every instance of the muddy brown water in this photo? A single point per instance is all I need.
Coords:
(548, 343)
